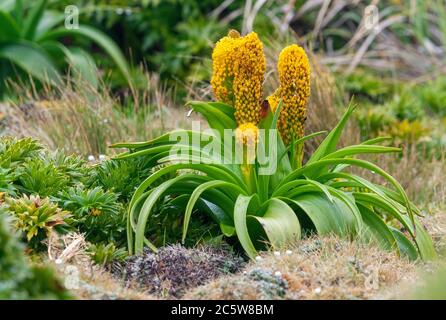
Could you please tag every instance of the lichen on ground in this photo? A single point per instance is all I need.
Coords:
(174, 269)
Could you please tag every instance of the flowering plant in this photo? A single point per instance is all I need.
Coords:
(270, 207)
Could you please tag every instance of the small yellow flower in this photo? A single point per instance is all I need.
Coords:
(239, 66)
(247, 134)
(294, 75)
(273, 100)
(95, 212)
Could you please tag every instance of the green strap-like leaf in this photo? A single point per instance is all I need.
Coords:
(33, 18)
(315, 168)
(360, 149)
(377, 228)
(31, 59)
(196, 195)
(147, 207)
(240, 216)
(10, 30)
(104, 41)
(327, 217)
(279, 222)
(331, 141)
(405, 246)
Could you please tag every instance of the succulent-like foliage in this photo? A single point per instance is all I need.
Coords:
(35, 217)
(320, 196)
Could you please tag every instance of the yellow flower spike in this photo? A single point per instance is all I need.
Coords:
(294, 75)
(239, 66)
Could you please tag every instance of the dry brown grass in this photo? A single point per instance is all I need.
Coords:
(81, 119)
(318, 268)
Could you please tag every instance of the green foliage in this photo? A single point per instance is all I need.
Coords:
(36, 176)
(6, 181)
(32, 40)
(121, 177)
(35, 217)
(406, 106)
(18, 280)
(169, 37)
(364, 84)
(104, 254)
(73, 167)
(433, 96)
(13, 151)
(31, 173)
(319, 196)
(96, 212)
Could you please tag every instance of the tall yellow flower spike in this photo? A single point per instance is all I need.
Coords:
(239, 66)
(294, 75)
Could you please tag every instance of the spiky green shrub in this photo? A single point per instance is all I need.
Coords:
(14, 151)
(19, 280)
(320, 196)
(35, 217)
(96, 212)
(121, 177)
(6, 181)
(104, 254)
(37, 176)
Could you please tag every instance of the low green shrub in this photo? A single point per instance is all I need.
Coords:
(18, 279)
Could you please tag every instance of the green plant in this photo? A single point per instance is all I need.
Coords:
(35, 217)
(104, 254)
(6, 179)
(74, 168)
(121, 177)
(280, 206)
(433, 96)
(36, 176)
(18, 280)
(406, 106)
(96, 212)
(32, 39)
(13, 150)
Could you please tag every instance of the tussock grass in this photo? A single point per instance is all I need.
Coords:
(78, 118)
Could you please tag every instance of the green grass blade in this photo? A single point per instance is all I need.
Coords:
(31, 59)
